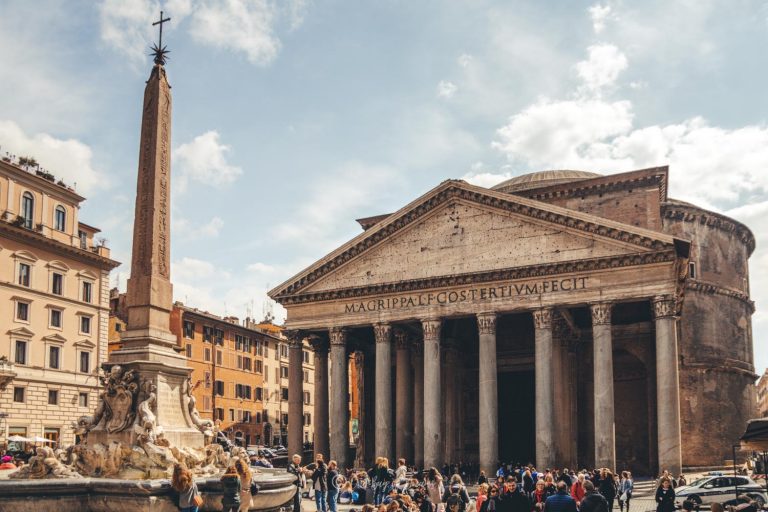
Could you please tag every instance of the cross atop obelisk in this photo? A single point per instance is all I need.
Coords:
(159, 51)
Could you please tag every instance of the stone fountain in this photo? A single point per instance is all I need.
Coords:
(146, 419)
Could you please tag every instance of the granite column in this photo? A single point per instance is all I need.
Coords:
(418, 403)
(488, 393)
(433, 438)
(383, 334)
(667, 385)
(321, 397)
(403, 399)
(602, 345)
(339, 421)
(295, 394)
(545, 427)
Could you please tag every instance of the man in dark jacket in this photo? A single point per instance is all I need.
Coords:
(512, 499)
(333, 486)
(295, 468)
(560, 501)
(593, 501)
(320, 484)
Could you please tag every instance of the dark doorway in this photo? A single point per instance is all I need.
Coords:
(517, 415)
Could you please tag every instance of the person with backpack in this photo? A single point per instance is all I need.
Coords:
(456, 495)
(230, 501)
(593, 501)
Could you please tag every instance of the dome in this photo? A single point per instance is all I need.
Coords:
(542, 179)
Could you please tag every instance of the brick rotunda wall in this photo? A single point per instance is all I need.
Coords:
(717, 394)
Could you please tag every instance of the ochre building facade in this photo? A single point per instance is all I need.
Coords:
(54, 301)
(562, 317)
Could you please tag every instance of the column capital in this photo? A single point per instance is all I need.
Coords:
(486, 323)
(601, 313)
(338, 336)
(382, 332)
(295, 338)
(401, 339)
(664, 306)
(319, 344)
(542, 318)
(431, 328)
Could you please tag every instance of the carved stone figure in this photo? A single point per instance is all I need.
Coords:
(207, 427)
(119, 398)
(45, 464)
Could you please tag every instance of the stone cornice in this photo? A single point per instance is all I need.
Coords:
(459, 190)
(707, 288)
(509, 274)
(600, 185)
(35, 239)
(678, 210)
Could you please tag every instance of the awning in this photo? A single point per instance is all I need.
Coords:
(756, 436)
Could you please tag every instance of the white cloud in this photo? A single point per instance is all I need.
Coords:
(485, 179)
(446, 89)
(191, 268)
(247, 26)
(187, 230)
(204, 159)
(239, 25)
(599, 14)
(67, 159)
(602, 67)
(464, 60)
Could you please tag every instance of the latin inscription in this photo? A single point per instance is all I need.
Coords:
(468, 295)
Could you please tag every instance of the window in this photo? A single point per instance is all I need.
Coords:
(692, 270)
(240, 362)
(207, 354)
(306, 398)
(247, 363)
(87, 289)
(85, 325)
(258, 417)
(85, 362)
(82, 399)
(243, 391)
(55, 320)
(207, 333)
(218, 357)
(258, 347)
(285, 418)
(307, 419)
(54, 356)
(266, 372)
(52, 435)
(21, 352)
(283, 393)
(18, 395)
(283, 351)
(218, 387)
(83, 236)
(60, 221)
(218, 414)
(208, 380)
(306, 376)
(27, 209)
(25, 271)
(305, 356)
(231, 415)
(53, 397)
(189, 351)
(218, 336)
(246, 416)
(206, 403)
(283, 372)
(258, 394)
(22, 311)
(258, 366)
(189, 329)
(57, 283)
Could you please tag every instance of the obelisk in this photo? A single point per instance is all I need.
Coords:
(147, 343)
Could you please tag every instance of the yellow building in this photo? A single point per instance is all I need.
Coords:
(54, 292)
(276, 386)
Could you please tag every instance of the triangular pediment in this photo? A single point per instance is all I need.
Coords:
(460, 229)
(55, 338)
(22, 332)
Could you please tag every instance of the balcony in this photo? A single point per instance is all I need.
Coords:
(6, 373)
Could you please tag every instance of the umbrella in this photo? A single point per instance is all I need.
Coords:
(38, 439)
(19, 439)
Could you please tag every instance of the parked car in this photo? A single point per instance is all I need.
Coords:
(225, 443)
(719, 489)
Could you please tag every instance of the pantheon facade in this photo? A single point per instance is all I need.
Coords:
(563, 318)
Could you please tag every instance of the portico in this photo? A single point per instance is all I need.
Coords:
(493, 314)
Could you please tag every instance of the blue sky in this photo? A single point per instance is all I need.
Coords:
(294, 117)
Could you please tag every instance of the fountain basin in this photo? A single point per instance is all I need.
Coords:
(112, 495)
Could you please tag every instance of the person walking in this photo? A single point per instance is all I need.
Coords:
(482, 479)
(577, 489)
(665, 496)
(434, 485)
(333, 485)
(593, 501)
(246, 484)
(295, 468)
(230, 502)
(382, 478)
(320, 484)
(607, 487)
(560, 501)
(183, 483)
(626, 486)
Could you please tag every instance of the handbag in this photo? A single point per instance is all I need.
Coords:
(624, 496)
(198, 500)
